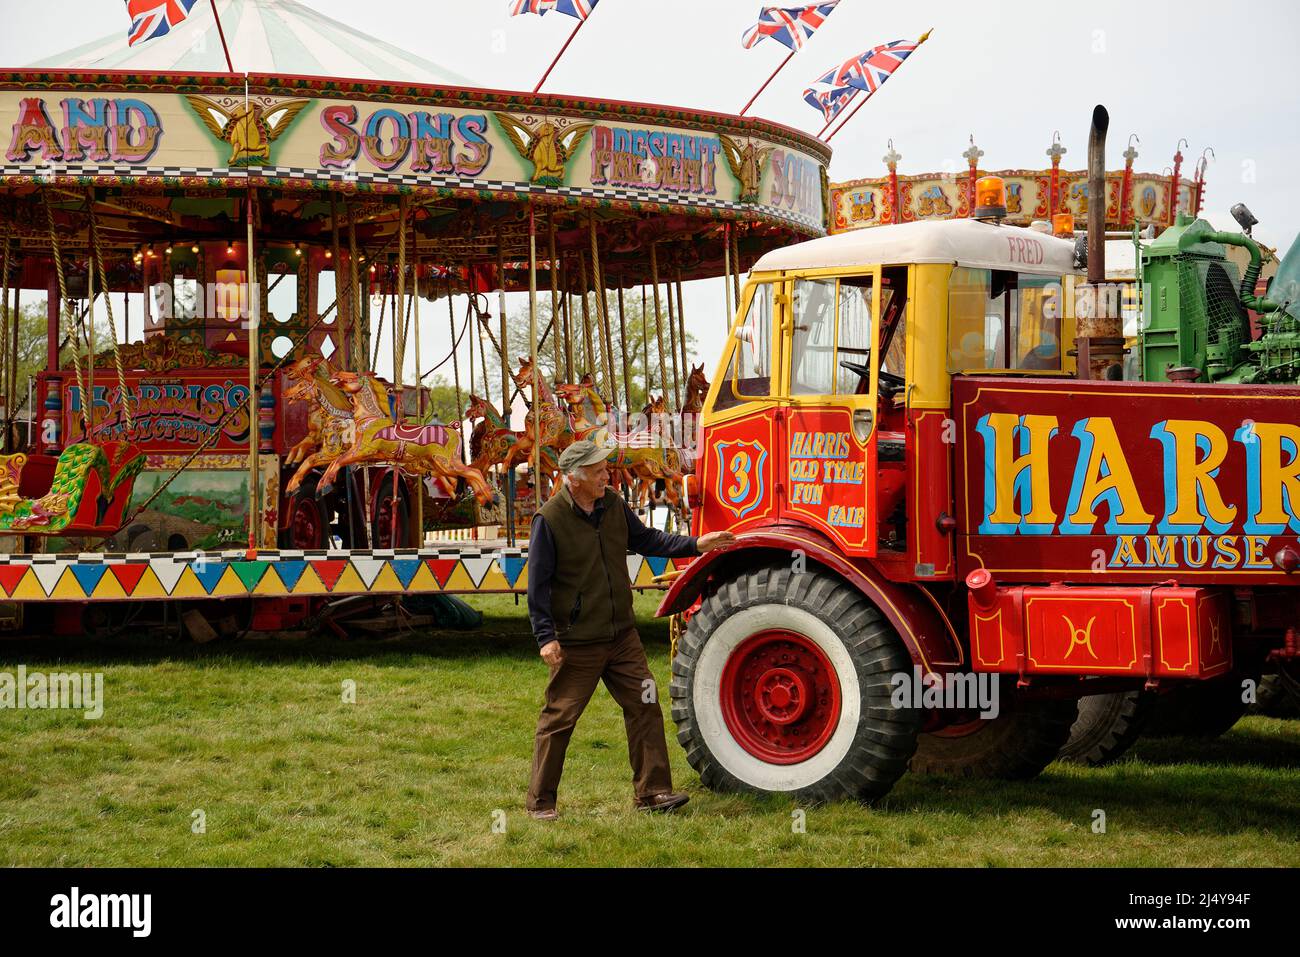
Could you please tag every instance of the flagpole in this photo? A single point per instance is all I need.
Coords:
(769, 80)
(924, 36)
(581, 24)
(222, 33)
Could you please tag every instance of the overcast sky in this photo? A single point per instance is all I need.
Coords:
(1220, 75)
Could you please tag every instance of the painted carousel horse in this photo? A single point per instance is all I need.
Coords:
(697, 387)
(416, 449)
(88, 494)
(330, 428)
(642, 454)
(492, 442)
(554, 428)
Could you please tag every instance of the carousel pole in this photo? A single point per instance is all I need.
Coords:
(399, 352)
(89, 397)
(681, 338)
(536, 464)
(588, 351)
(341, 298)
(645, 341)
(659, 328)
(602, 313)
(4, 341)
(726, 265)
(554, 271)
(672, 341)
(568, 330)
(455, 361)
(254, 317)
(15, 318)
(503, 344)
(354, 295)
(622, 335)
(735, 264)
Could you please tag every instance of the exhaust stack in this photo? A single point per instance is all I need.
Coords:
(1100, 342)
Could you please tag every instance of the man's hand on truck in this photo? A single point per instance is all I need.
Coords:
(712, 540)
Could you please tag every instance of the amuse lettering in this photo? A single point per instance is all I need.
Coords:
(1200, 521)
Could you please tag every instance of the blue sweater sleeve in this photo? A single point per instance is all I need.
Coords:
(652, 541)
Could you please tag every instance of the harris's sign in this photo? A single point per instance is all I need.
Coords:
(1064, 480)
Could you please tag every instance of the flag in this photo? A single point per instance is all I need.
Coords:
(581, 9)
(868, 71)
(830, 102)
(789, 25)
(154, 18)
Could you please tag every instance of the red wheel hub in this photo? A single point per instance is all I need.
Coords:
(780, 696)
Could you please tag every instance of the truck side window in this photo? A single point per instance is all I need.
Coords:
(750, 374)
(1003, 320)
(812, 359)
(855, 332)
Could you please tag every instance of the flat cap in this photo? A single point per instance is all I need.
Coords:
(584, 452)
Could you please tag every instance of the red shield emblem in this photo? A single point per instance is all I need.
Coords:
(740, 485)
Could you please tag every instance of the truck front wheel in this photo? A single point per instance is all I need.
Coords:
(781, 684)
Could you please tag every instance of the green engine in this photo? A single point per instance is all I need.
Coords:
(1195, 308)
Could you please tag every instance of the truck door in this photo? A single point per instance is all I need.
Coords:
(829, 433)
(740, 458)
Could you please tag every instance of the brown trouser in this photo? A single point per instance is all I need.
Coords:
(621, 664)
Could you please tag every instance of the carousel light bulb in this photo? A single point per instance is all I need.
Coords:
(329, 254)
(297, 249)
(230, 249)
(168, 250)
(372, 269)
(195, 249)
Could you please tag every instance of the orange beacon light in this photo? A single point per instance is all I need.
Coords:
(990, 198)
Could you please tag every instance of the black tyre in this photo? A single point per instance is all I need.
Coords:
(781, 684)
(1276, 697)
(1023, 739)
(1107, 726)
(1199, 709)
(306, 524)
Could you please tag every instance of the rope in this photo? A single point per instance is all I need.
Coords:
(112, 323)
(64, 309)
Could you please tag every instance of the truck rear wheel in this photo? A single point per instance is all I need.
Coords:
(1016, 745)
(1199, 709)
(1107, 726)
(781, 684)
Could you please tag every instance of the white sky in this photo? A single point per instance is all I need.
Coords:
(1220, 75)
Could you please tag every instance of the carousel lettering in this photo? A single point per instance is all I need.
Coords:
(1018, 491)
(95, 130)
(796, 182)
(670, 162)
(431, 142)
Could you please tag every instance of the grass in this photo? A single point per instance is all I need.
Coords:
(416, 772)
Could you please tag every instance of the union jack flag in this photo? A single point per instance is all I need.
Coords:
(868, 71)
(581, 9)
(789, 25)
(154, 18)
(830, 102)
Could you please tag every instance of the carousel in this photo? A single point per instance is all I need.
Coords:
(228, 261)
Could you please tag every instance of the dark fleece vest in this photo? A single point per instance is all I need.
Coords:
(591, 594)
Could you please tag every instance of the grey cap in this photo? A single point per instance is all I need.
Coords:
(584, 452)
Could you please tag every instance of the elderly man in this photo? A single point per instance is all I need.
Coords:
(580, 603)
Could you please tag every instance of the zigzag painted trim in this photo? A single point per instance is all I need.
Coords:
(280, 574)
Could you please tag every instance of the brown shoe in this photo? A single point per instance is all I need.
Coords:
(662, 802)
(543, 814)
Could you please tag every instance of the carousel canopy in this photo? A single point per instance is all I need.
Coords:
(278, 37)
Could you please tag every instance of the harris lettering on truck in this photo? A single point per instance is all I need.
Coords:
(1168, 492)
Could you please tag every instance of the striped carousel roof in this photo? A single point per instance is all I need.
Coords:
(265, 36)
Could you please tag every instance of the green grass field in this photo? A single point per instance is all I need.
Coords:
(256, 736)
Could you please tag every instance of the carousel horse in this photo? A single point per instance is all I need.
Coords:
(554, 429)
(417, 449)
(88, 494)
(642, 454)
(697, 387)
(492, 442)
(330, 428)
